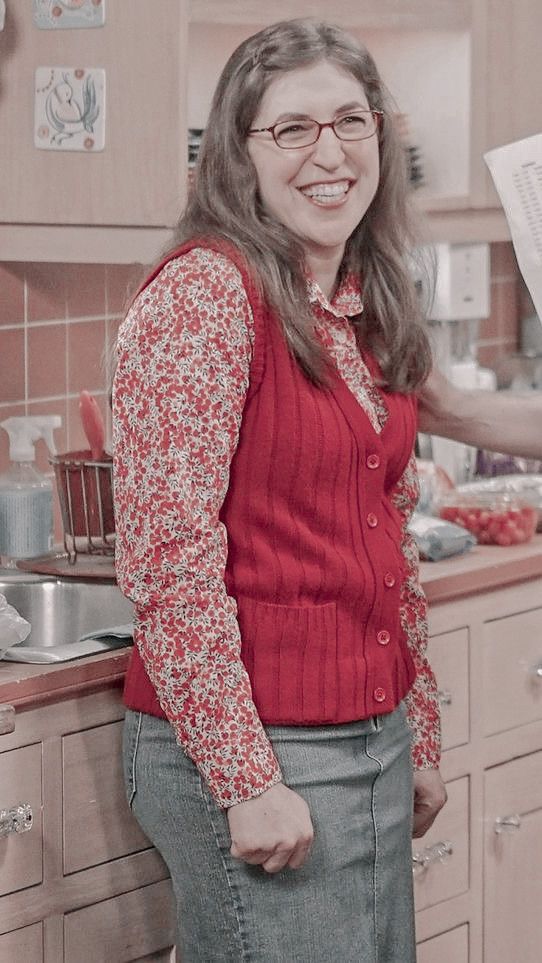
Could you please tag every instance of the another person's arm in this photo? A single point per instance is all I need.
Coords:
(492, 420)
(180, 387)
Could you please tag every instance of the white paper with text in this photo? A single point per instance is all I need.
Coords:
(517, 173)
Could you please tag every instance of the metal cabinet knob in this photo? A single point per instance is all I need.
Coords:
(507, 824)
(422, 860)
(444, 697)
(535, 671)
(18, 819)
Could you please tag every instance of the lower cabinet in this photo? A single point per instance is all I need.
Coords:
(79, 881)
(513, 861)
(478, 871)
(25, 944)
(450, 947)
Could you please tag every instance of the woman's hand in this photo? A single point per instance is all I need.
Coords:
(273, 830)
(429, 798)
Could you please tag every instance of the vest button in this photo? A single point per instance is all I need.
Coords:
(373, 461)
(389, 580)
(379, 694)
(372, 520)
(383, 637)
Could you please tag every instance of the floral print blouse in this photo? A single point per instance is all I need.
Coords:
(184, 353)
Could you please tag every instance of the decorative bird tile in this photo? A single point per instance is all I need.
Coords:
(69, 108)
(59, 14)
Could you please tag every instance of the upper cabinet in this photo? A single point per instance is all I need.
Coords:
(61, 203)
(464, 74)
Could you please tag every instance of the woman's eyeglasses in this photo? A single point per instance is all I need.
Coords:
(290, 134)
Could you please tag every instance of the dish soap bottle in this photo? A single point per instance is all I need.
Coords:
(26, 496)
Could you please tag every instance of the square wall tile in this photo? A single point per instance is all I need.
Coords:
(11, 293)
(122, 281)
(46, 292)
(12, 381)
(86, 356)
(46, 360)
(85, 290)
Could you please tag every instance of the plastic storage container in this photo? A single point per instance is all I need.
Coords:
(493, 518)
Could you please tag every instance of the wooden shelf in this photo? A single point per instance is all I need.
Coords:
(387, 14)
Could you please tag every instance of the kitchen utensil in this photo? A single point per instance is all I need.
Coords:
(93, 424)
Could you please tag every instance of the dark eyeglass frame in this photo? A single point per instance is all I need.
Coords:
(377, 115)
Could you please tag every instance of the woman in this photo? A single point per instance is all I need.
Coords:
(264, 421)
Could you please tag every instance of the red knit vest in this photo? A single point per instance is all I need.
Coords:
(314, 557)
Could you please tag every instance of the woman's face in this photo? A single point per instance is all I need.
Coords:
(320, 192)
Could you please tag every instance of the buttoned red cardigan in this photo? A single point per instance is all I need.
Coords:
(314, 541)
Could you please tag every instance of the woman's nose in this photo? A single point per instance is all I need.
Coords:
(328, 150)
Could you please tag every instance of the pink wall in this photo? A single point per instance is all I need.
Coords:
(58, 324)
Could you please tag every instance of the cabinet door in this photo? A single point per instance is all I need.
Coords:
(98, 825)
(441, 858)
(136, 926)
(139, 177)
(21, 854)
(449, 657)
(512, 671)
(514, 82)
(450, 947)
(513, 861)
(24, 945)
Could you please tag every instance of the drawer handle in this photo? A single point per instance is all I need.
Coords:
(536, 671)
(444, 697)
(507, 824)
(18, 819)
(422, 860)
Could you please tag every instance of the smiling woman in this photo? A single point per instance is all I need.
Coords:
(264, 421)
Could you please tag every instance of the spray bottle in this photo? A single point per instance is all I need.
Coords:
(26, 496)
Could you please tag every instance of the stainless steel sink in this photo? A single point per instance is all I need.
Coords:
(69, 618)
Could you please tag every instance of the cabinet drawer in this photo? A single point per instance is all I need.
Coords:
(513, 860)
(22, 945)
(97, 822)
(441, 866)
(133, 926)
(449, 657)
(21, 853)
(512, 656)
(450, 947)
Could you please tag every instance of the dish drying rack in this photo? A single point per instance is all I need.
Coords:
(85, 491)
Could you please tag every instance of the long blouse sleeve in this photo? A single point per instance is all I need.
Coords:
(184, 354)
(422, 700)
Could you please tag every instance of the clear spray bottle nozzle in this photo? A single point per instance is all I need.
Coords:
(25, 430)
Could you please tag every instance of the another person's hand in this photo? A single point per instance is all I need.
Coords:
(273, 830)
(429, 798)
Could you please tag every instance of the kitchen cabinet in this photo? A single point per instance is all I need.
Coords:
(448, 63)
(114, 204)
(477, 880)
(514, 78)
(83, 883)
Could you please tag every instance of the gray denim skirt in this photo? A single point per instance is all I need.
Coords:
(351, 902)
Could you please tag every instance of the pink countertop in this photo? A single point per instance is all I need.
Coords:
(482, 569)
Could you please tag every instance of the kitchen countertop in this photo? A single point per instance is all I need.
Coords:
(482, 569)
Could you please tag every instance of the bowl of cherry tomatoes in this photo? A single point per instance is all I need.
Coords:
(494, 518)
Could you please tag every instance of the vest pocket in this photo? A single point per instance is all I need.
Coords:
(290, 653)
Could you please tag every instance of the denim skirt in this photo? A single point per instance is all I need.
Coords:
(352, 901)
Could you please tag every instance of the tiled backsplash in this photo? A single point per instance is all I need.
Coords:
(58, 324)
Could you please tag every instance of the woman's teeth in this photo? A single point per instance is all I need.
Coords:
(326, 192)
